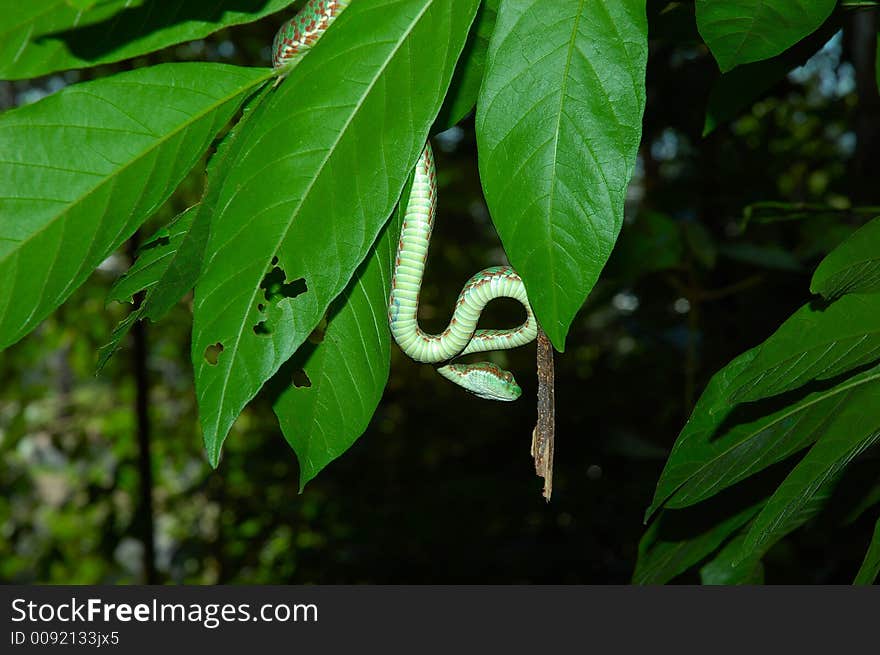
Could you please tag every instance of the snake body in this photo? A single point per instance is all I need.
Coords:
(461, 336)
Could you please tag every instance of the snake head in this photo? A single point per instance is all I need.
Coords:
(483, 379)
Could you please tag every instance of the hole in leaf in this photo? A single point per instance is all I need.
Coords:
(212, 353)
(161, 240)
(300, 379)
(317, 335)
(276, 286)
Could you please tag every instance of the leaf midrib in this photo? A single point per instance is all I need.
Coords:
(551, 196)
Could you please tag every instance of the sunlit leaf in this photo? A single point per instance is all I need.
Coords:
(558, 126)
(468, 74)
(169, 262)
(345, 372)
(304, 203)
(83, 168)
(154, 258)
(742, 31)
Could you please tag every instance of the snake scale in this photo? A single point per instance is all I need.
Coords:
(461, 336)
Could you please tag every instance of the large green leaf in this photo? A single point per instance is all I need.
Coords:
(720, 445)
(468, 74)
(852, 267)
(558, 126)
(346, 371)
(41, 36)
(848, 433)
(870, 567)
(305, 201)
(815, 343)
(741, 31)
(169, 262)
(83, 168)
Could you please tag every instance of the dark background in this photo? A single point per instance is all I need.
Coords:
(441, 487)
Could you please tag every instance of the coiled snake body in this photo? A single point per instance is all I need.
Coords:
(461, 336)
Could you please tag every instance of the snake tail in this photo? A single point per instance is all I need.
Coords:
(300, 33)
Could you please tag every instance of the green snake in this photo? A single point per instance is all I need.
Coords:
(461, 336)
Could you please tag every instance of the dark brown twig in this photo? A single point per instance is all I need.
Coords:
(545, 430)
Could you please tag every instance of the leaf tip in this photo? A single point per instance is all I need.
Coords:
(709, 126)
(213, 447)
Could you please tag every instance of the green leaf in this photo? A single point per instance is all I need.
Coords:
(852, 267)
(700, 243)
(305, 201)
(468, 74)
(153, 262)
(721, 445)
(740, 88)
(42, 36)
(170, 261)
(742, 31)
(737, 90)
(724, 569)
(652, 243)
(154, 258)
(558, 127)
(347, 370)
(83, 168)
(870, 567)
(848, 433)
(676, 541)
(866, 502)
(772, 257)
(815, 343)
